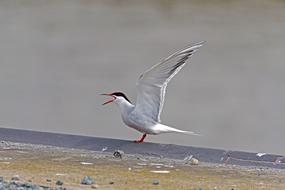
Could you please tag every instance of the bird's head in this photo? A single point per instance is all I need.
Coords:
(116, 97)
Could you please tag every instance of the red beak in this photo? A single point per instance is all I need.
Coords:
(110, 101)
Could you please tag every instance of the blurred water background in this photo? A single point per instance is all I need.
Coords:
(57, 56)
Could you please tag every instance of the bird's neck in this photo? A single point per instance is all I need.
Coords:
(125, 106)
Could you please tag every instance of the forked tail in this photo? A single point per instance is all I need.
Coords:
(167, 129)
(189, 133)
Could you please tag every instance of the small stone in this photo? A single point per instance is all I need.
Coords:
(59, 182)
(2, 186)
(118, 154)
(44, 187)
(15, 178)
(194, 161)
(87, 180)
(30, 186)
(155, 182)
(14, 183)
(111, 183)
(48, 180)
(95, 186)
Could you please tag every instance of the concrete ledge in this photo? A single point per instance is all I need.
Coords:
(151, 149)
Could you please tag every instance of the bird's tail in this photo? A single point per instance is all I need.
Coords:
(189, 133)
(167, 129)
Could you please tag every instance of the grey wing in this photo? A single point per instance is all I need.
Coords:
(152, 83)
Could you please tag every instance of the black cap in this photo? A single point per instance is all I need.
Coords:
(121, 94)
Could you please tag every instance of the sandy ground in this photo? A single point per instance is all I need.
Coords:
(44, 165)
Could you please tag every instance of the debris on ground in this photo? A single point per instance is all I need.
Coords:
(118, 154)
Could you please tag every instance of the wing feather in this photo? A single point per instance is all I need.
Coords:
(152, 83)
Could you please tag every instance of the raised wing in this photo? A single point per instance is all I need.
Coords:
(153, 82)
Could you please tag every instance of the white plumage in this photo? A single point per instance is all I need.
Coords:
(144, 116)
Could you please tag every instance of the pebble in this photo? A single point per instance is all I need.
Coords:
(15, 178)
(44, 187)
(58, 188)
(118, 154)
(111, 183)
(59, 182)
(94, 186)
(155, 182)
(87, 180)
(194, 161)
(48, 180)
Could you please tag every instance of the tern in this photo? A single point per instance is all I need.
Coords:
(144, 116)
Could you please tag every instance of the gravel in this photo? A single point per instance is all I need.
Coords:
(13, 185)
(4, 185)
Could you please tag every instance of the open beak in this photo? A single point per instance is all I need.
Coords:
(110, 101)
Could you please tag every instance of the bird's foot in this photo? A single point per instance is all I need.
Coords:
(141, 140)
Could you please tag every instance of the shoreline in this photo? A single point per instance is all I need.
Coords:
(168, 151)
(45, 165)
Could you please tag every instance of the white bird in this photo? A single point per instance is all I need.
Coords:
(144, 116)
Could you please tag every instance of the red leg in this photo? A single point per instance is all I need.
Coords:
(141, 140)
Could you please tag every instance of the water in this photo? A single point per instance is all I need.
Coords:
(56, 57)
